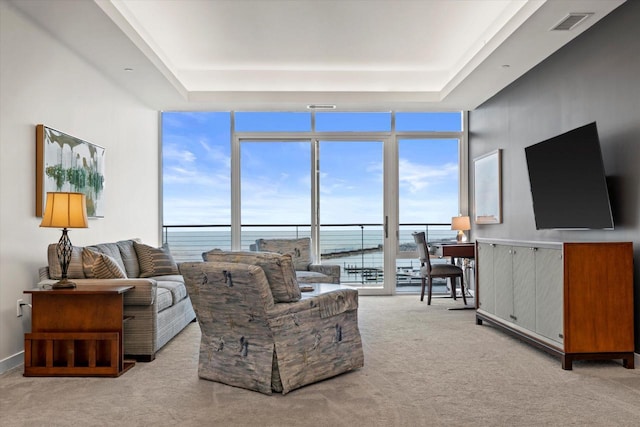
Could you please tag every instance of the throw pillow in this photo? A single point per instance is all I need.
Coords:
(129, 257)
(75, 270)
(101, 266)
(155, 261)
(110, 249)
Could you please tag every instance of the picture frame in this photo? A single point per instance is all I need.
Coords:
(487, 194)
(65, 163)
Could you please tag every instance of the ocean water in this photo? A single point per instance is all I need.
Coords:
(339, 246)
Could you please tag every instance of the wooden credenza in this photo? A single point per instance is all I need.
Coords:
(573, 300)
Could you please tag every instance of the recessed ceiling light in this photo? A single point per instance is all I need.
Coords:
(321, 107)
(506, 65)
(128, 69)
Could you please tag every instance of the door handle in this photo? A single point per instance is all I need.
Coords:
(386, 227)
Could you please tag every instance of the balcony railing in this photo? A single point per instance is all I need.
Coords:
(357, 248)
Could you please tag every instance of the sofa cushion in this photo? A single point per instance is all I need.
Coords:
(129, 257)
(278, 269)
(110, 249)
(169, 278)
(164, 299)
(101, 266)
(75, 270)
(155, 261)
(177, 288)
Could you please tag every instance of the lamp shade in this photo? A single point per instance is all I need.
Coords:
(460, 223)
(65, 210)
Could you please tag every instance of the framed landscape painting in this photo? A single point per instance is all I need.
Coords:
(66, 163)
(487, 194)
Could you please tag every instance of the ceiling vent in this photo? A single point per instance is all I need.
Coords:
(570, 21)
(321, 107)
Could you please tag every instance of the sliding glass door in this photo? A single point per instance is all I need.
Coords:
(330, 190)
(428, 197)
(275, 182)
(350, 203)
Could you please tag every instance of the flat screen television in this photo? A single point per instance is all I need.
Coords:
(568, 182)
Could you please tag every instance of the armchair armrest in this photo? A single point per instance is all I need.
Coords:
(315, 338)
(331, 270)
(328, 304)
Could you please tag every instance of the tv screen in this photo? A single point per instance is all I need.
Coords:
(568, 183)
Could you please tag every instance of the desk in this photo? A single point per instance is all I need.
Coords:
(465, 251)
(455, 250)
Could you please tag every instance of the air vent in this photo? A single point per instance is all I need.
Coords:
(321, 107)
(570, 21)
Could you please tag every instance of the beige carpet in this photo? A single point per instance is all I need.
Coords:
(424, 366)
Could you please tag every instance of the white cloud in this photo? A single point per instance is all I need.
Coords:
(173, 153)
(416, 177)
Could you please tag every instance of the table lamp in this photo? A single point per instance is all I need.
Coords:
(65, 210)
(462, 224)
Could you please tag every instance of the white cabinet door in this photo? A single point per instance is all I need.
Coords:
(524, 287)
(549, 294)
(485, 285)
(502, 268)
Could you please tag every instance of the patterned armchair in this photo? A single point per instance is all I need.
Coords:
(257, 332)
(300, 251)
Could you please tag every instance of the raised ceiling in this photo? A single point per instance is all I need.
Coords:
(287, 54)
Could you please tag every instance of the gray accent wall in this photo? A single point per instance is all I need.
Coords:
(596, 77)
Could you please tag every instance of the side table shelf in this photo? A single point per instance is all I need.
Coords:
(73, 354)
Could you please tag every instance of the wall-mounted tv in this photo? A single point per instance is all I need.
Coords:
(568, 182)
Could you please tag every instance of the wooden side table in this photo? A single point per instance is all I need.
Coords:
(76, 332)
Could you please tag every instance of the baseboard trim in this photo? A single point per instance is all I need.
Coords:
(14, 361)
(17, 359)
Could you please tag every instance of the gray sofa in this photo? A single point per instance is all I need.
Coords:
(159, 304)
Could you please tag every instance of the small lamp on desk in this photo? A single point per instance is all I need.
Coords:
(462, 224)
(65, 210)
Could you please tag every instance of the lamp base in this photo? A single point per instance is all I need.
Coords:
(63, 284)
(461, 237)
(64, 250)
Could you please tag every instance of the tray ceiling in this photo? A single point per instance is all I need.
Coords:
(285, 54)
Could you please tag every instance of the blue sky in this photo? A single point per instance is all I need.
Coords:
(275, 176)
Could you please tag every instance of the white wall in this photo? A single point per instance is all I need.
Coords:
(41, 81)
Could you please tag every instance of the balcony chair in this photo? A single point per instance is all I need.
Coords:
(428, 271)
(300, 251)
(257, 332)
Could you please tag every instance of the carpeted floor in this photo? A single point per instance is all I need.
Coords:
(424, 366)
